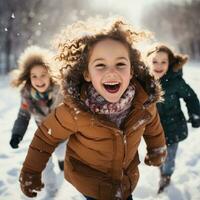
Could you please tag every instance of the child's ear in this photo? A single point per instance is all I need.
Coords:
(86, 76)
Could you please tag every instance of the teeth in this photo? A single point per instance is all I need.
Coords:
(111, 83)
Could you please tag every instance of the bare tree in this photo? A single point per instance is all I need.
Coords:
(27, 22)
(12, 15)
(177, 24)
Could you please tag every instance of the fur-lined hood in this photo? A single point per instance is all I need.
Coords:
(76, 41)
(176, 61)
(178, 64)
(34, 55)
(74, 89)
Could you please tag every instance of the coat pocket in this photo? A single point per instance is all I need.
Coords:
(85, 169)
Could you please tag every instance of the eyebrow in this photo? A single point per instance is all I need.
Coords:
(101, 59)
(98, 59)
(36, 73)
(124, 58)
(162, 60)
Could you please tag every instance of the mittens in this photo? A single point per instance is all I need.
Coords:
(30, 183)
(195, 121)
(156, 156)
(15, 140)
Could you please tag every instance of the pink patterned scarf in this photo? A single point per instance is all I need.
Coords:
(115, 112)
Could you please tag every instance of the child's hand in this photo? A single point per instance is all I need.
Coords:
(156, 157)
(195, 121)
(15, 140)
(30, 183)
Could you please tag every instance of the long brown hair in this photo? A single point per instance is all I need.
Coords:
(176, 61)
(77, 40)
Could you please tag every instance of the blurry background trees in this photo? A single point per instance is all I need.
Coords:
(26, 22)
(176, 23)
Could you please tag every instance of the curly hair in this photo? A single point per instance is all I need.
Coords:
(31, 57)
(77, 40)
(176, 61)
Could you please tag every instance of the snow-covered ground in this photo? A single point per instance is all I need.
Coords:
(185, 181)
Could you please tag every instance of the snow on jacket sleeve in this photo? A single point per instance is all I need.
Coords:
(189, 96)
(154, 134)
(58, 126)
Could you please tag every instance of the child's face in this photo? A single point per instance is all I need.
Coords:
(40, 78)
(109, 69)
(158, 63)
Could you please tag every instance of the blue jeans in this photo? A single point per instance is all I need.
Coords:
(169, 165)
(89, 198)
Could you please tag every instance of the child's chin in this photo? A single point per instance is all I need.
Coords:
(112, 99)
(41, 90)
(158, 76)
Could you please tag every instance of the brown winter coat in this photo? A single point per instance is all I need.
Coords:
(101, 159)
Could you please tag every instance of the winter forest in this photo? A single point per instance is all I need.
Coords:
(37, 22)
(26, 22)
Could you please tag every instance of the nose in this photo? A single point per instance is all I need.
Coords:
(158, 65)
(112, 70)
(39, 81)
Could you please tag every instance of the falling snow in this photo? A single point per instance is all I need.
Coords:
(13, 16)
(185, 183)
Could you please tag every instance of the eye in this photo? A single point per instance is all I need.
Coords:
(154, 62)
(100, 66)
(164, 62)
(43, 75)
(33, 76)
(121, 65)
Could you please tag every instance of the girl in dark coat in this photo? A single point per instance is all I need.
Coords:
(167, 67)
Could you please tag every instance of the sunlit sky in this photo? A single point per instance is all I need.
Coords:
(130, 9)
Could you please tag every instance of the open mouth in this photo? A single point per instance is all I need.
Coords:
(158, 71)
(112, 87)
(40, 86)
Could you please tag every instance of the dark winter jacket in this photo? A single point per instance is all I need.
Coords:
(36, 104)
(101, 159)
(172, 118)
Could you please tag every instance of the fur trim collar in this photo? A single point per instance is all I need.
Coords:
(74, 89)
